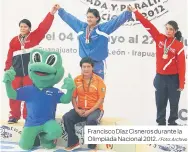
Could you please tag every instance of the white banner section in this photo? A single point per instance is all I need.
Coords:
(136, 135)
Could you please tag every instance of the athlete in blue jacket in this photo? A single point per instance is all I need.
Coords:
(92, 36)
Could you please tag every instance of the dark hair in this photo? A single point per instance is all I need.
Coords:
(95, 12)
(86, 60)
(178, 34)
(26, 21)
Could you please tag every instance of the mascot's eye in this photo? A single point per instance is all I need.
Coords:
(51, 59)
(37, 57)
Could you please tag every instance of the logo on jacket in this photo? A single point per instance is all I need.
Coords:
(161, 45)
(27, 41)
(103, 89)
(60, 91)
(49, 93)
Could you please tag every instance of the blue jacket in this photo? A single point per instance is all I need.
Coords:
(97, 48)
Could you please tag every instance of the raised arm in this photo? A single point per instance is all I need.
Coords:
(45, 25)
(146, 23)
(71, 20)
(115, 23)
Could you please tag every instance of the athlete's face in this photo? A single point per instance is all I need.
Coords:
(24, 29)
(91, 19)
(170, 31)
(87, 69)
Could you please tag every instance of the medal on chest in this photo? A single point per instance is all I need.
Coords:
(166, 49)
(22, 47)
(88, 32)
(165, 56)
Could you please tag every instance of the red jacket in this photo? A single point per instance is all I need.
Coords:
(19, 58)
(175, 63)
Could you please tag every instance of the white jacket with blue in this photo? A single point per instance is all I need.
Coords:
(97, 48)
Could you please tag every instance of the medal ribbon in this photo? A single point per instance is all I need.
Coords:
(166, 49)
(87, 90)
(88, 32)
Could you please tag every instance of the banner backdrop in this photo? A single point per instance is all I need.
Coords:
(130, 66)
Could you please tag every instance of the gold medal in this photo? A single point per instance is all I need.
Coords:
(165, 56)
(22, 47)
(166, 49)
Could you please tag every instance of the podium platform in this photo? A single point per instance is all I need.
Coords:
(10, 136)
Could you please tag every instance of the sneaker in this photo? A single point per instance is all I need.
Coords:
(173, 124)
(71, 148)
(161, 124)
(12, 120)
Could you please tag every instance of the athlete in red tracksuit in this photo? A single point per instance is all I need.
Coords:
(19, 55)
(170, 66)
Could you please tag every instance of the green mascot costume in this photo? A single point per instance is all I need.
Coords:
(45, 70)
